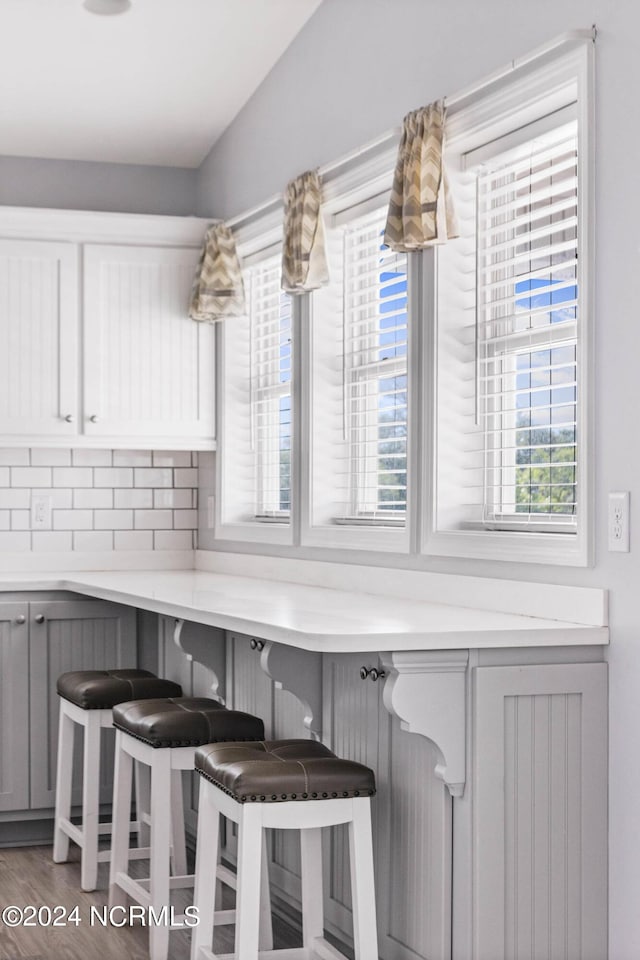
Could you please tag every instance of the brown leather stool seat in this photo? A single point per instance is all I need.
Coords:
(103, 689)
(281, 770)
(185, 722)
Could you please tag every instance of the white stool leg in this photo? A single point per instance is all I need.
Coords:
(90, 800)
(312, 895)
(63, 783)
(160, 850)
(249, 880)
(204, 897)
(143, 801)
(266, 923)
(120, 817)
(362, 882)
(178, 843)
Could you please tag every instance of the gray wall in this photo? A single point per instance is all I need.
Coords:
(78, 185)
(354, 71)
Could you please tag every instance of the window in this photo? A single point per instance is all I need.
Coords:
(360, 385)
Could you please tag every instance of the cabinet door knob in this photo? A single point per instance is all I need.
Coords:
(256, 644)
(364, 673)
(69, 418)
(95, 418)
(40, 618)
(21, 618)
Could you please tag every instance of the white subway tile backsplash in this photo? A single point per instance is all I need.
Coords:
(185, 478)
(134, 540)
(92, 458)
(153, 520)
(113, 477)
(30, 477)
(142, 499)
(50, 458)
(154, 477)
(101, 499)
(185, 519)
(180, 499)
(15, 542)
(132, 458)
(171, 458)
(72, 519)
(14, 499)
(173, 540)
(94, 541)
(113, 520)
(15, 457)
(50, 542)
(72, 477)
(93, 499)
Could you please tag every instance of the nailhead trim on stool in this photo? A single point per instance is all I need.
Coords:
(185, 722)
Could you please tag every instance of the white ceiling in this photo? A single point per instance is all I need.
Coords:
(156, 85)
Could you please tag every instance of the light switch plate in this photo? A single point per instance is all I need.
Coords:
(40, 511)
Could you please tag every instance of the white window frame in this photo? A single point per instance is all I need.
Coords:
(533, 92)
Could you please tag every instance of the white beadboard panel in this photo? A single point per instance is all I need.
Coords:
(133, 540)
(173, 540)
(154, 477)
(51, 458)
(92, 458)
(130, 499)
(72, 519)
(113, 519)
(132, 458)
(38, 338)
(72, 477)
(153, 519)
(94, 541)
(50, 542)
(171, 458)
(31, 477)
(180, 499)
(113, 477)
(138, 335)
(540, 812)
(101, 499)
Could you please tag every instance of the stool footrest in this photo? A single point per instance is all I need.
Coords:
(322, 950)
(75, 832)
(227, 876)
(135, 888)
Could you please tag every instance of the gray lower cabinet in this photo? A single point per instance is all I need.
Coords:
(14, 706)
(56, 636)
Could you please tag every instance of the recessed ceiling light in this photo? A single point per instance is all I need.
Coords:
(107, 7)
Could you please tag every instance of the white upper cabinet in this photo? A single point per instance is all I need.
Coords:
(96, 344)
(38, 338)
(148, 367)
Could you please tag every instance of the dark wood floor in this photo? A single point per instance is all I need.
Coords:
(29, 876)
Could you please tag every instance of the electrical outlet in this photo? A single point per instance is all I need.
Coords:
(618, 521)
(40, 511)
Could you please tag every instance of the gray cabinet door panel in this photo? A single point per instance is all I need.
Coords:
(74, 635)
(14, 707)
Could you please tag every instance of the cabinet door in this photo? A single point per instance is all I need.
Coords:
(540, 812)
(72, 635)
(149, 368)
(38, 339)
(14, 707)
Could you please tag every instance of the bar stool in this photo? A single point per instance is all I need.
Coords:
(287, 785)
(164, 735)
(86, 699)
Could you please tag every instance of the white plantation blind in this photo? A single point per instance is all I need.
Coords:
(527, 327)
(270, 318)
(375, 373)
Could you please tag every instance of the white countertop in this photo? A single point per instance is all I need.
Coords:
(311, 617)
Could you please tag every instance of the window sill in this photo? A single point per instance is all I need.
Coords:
(350, 534)
(557, 549)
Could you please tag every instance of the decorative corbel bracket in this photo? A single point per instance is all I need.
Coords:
(299, 672)
(195, 640)
(426, 690)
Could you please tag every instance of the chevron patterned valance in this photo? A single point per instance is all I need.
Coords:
(421, 208)
(218, 290)
(304, 261)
